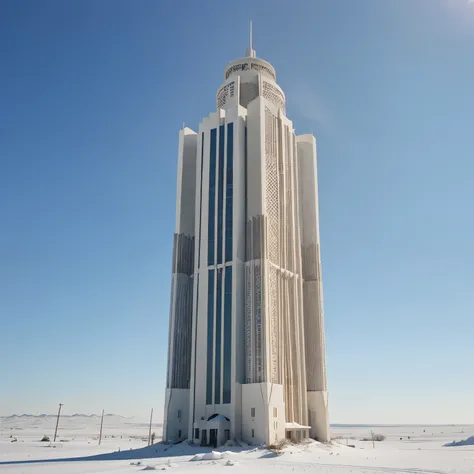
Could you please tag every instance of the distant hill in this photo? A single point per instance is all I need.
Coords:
(43, 415)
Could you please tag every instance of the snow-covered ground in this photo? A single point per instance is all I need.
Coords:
(406, 449)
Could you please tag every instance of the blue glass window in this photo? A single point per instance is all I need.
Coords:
(220, 194)
(217, 378)
(229, 204)
(210, 334)
(212, 199)
(200, 197)
(227, 334)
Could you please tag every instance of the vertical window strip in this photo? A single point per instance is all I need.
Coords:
(200, 200)
(198, 267)
(212, 200)
(218, 356)
(246, 168)
(210, 335)
(229, 204)
(227, 334)
(220, 194)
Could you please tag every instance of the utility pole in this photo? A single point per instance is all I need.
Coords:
(373, 442)
(57, 422)
(101, 423)
(149, 431)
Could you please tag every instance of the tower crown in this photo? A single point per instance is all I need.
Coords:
(250, 63)
(247, 78)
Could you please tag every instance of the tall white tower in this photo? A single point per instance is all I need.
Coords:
(246, 343)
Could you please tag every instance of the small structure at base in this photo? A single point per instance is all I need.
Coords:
(215, 431)
(296, 432)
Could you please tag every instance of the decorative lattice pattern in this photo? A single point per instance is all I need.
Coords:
(292, 210)
(259, 375)
(273, 309)
(272, 188)
(237, 68)
(250, 65)
(263, 70)
(225, 93)
(273, 94)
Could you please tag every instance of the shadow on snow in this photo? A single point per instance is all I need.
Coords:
(158, 450)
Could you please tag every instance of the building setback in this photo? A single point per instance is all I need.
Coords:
(246, 338)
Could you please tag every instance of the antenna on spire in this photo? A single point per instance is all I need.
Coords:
(250, 36)
(250, 51)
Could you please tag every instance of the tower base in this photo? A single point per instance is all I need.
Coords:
(175, 423)
(318, 416)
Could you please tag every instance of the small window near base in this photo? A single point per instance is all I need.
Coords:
(196, 433)
(179, 414)
(252, 412)
(179, 434)
(253, 433)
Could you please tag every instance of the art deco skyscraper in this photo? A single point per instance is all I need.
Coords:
(246, 342)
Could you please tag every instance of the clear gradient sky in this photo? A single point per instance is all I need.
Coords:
(92, 95)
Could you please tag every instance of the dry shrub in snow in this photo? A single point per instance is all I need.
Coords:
(278, 446)
(375, 437)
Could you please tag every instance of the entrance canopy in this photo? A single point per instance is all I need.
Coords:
(215, 431)
(296, 432)
(291, 426)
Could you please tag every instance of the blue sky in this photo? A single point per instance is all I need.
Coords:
(92, 95)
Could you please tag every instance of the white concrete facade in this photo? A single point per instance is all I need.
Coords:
(246, 353)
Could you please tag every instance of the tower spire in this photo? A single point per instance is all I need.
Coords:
(250, 51)
(250, 36)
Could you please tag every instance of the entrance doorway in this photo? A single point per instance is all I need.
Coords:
(213, 438)
(214, 431)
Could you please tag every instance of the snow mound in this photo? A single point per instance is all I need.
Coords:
(231, 463)
(212, 456)
(465, 442)
(149, 468)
